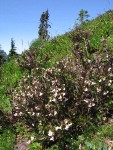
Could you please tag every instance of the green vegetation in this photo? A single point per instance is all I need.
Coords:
(101, 29)
(7, 139)
(2, 60)
(59, 94)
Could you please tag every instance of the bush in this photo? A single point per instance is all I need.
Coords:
(60, 103)
(7, 139)
(36, 43)
(27, 61)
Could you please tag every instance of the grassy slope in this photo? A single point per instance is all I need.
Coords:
(54, 50)
(101, 29)
(100, 33)
(10, 75)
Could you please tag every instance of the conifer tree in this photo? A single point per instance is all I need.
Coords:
(83, 15)
(44, 25)
(12, 52)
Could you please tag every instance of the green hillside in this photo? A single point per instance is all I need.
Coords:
(98, 31)
(58, 95)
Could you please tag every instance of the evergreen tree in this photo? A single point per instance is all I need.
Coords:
(83, 16)
(43, 27)
(12, 52)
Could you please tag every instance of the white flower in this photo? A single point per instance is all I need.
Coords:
(50, 114)
(59, 70)
(98, 89)
(85, 81)
(66, 121)
(86, 89)
(103, 78)
(52, 138)
(86, 100)
(93, 83)
(89, 60)
(67, 126)
(55, 113)
(58, 128)
(37, 114)
(105, 92)
(40, 94)
(53, 82)
(53, 100)
(91, 105)
(55, 95)
(107, 56)
(33, 114)
(109, 69)
(53, 91)
(15, 114)
(64, 87)
(32, 138)
(100, 80)
(29, 112)
(37, 108)
(31, 95)
(109, 84)
(50, 133)
(110, 81)
(16, 107)
(20, 113)
(63, 94)
(33, 124)
(28, 87)
(59, 89)
(29, 141)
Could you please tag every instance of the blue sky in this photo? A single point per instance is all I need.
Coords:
(19, 19)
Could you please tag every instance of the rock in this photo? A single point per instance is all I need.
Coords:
(3, 53)
(22, 146)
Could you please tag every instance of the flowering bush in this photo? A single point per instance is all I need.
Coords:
(27, 60)
(60, 102)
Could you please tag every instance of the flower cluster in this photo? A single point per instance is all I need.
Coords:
(64, 99)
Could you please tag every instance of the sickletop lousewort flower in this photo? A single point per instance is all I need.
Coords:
(50, 133)
(68, 126)
(98, 89)
(40, 94)
(86, 89)
(58, 128)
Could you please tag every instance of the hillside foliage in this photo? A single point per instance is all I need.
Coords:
(59, 94)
